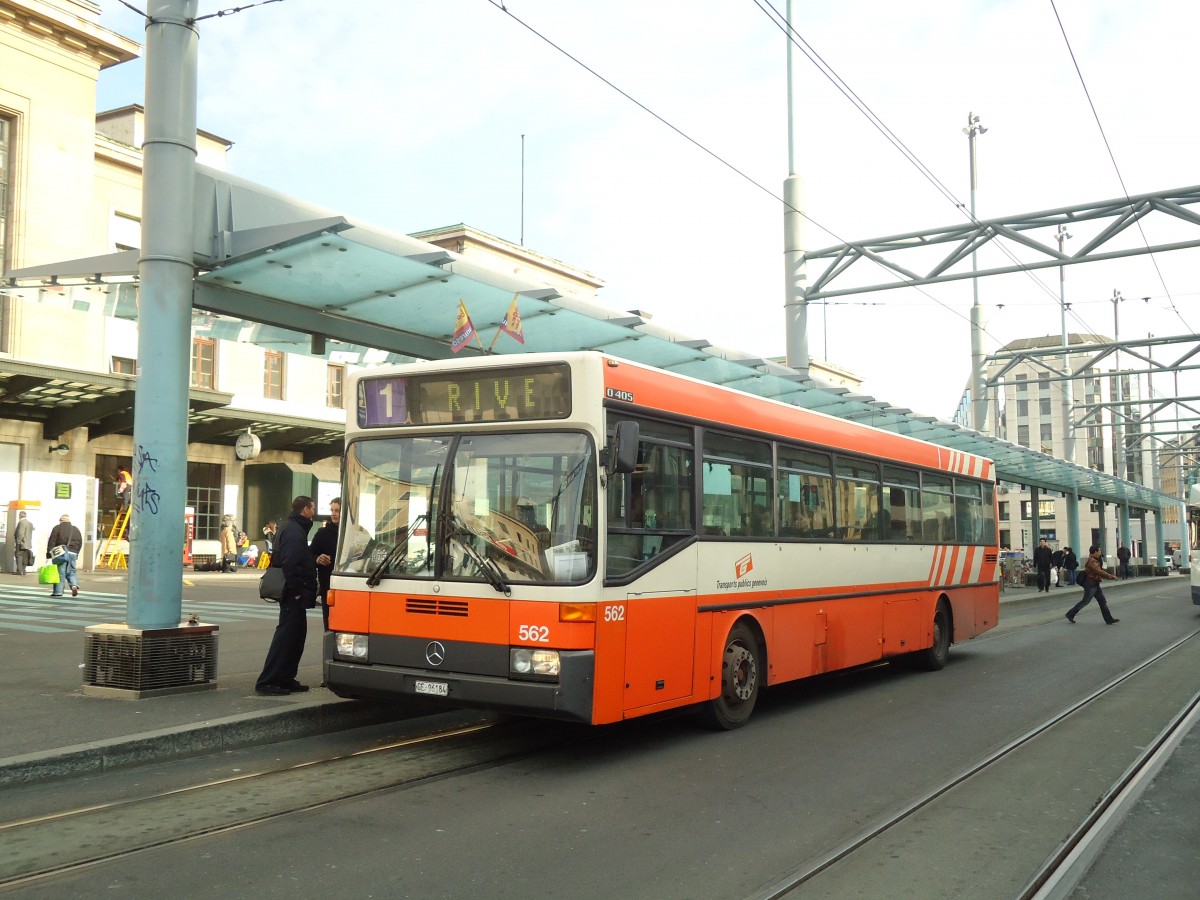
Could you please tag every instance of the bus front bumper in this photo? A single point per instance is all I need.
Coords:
(569, 700)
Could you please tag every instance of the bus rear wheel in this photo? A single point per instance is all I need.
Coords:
(934, 658)
(739, 681)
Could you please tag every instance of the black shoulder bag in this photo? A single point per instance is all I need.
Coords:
(270, 586)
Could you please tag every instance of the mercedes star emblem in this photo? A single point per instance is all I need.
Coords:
(435, 653)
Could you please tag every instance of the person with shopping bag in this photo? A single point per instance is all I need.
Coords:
(62, 549)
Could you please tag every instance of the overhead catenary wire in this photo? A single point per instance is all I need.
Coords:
(854, 99)
(498, 4)
(1112, 156)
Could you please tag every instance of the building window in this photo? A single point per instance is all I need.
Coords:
(1045, 509)
(1043, 381)
(1044, 406)
(123, 365)
(125, 231)
(1047, 433)
(335, 378)
(273, 375)
(6, 135)
(1023, 435)
(204, 363)
(1022, 383)
(1003, 512)
(1022, 407)
(205, 487)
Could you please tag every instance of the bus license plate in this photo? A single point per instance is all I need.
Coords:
(436, 688)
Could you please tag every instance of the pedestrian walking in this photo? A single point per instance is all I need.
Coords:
(23, 542)
(323, 549)
(1043, 559)
(1056, 561)
(62, 549)
(278, 676)
(1093, 573)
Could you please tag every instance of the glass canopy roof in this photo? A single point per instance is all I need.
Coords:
(381, 297)
(401, 295)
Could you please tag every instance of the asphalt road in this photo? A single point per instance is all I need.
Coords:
(664, 809)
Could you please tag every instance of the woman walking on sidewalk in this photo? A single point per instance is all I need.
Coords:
(1093, 574)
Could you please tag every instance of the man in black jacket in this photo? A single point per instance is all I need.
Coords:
(323, 549)
(299, 595)
(66, 536)
(1043, 558)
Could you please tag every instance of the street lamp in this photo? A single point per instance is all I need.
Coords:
(1068, 391)
(1118, 413)
(978, 400)
(1068, 400)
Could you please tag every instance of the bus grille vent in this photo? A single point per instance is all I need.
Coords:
(990, 557)
(434, 607)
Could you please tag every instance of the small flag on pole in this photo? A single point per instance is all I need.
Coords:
(512, 321)
(463, 329)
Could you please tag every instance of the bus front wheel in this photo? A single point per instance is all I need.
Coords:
(934, 658)
(739, 681)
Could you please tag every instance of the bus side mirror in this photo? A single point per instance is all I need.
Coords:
(622, 452)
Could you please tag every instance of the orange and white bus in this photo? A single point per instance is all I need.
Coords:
(581, 537)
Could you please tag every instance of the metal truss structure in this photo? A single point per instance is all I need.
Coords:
(969, 237)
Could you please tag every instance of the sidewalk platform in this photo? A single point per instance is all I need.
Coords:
(49, 730)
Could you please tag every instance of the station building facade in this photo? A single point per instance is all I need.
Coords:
(70, 188)
(1028, 409)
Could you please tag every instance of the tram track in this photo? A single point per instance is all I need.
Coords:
(1068, 861)
(35, 848)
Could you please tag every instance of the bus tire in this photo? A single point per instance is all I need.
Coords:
(740, 680)
(934, 659)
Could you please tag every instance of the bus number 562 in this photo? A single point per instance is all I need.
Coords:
(614, 613)
(537, 634)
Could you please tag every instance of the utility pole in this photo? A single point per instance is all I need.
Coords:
(978, 397)
(795, 289)
(165, 267)
(1118, 413)
(1068, 398)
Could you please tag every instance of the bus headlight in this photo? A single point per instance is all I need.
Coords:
(534, 665)
(350, 646)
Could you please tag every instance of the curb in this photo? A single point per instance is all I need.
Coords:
(215, 736)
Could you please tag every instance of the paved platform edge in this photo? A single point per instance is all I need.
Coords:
(298, 720)
(213, 736)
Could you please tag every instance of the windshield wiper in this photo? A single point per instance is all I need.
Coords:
(461, 533)
(377, 573)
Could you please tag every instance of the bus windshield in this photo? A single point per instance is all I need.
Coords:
(498, 509)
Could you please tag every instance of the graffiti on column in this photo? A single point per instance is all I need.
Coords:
(147, 496)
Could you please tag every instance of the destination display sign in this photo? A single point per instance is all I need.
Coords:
(474, 395)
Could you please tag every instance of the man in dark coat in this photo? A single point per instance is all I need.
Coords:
(67, 536)
(1056, 562)
(1123, 557)
(23, 538)
(323, 549)
(1043, 559)
(299, 595)
(1070, 563)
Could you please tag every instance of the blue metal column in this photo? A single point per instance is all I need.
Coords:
(1034, 514)
(1125, 537)
(1073, 537)
(160, 411)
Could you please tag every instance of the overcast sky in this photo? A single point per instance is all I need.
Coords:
(409, 115)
